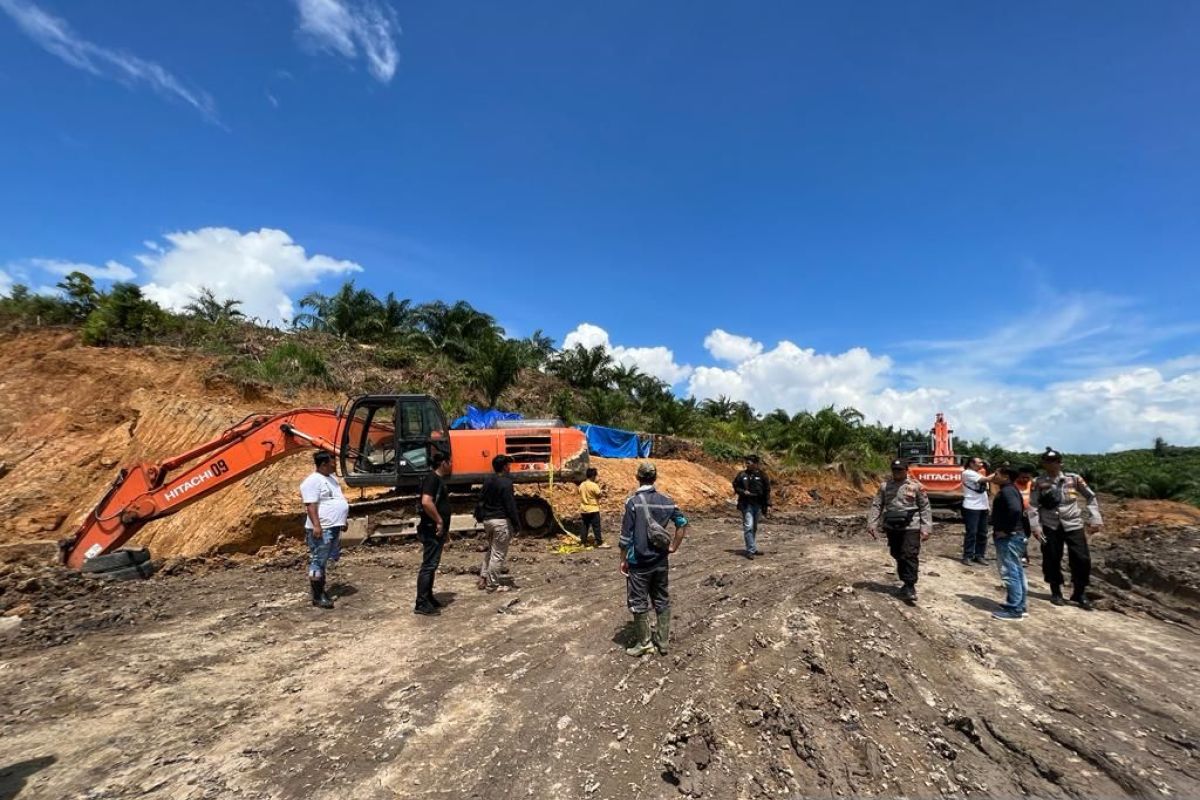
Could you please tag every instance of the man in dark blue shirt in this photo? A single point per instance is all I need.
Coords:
(645, 547)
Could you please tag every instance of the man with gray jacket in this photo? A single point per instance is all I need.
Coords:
(1057, 521)
(645, 548)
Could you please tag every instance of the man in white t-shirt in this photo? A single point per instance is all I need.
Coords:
(975, 512)
(325, 511)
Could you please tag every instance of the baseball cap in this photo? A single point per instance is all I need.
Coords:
(647, 471)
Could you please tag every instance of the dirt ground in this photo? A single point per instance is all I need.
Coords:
(796, 675)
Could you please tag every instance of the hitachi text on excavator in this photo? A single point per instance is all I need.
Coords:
(380, 441)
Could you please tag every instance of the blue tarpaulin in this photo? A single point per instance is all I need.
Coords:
(613, 443)
(478, 419)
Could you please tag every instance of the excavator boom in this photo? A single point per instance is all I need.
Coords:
(150, 491)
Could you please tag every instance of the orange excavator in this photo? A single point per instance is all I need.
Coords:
(381, 441)
(934, 464)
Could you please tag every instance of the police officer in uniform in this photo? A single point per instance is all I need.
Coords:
(901, 508)
(1058, 522)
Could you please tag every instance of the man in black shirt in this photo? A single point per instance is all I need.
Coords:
(1008, 509)
(498, 509)
(432, 530)
(753, 490)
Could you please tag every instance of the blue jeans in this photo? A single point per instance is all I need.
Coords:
(975, 522)
(750, 516)
(1009, 550)
(323, 550)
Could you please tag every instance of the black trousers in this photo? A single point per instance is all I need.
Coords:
(1078, 558)
(591, 522)
(431, 556)
(648, 589)
(905, 547)
(975, 532)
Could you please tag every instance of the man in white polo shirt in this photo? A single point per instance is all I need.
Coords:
(326, 511)
(975, 512)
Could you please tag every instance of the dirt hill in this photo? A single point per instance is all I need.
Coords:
(70, 415)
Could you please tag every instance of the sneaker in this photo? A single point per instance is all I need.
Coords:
(604, 546)
(966, 562)
(1008, 616)
(980, 560)
(1058, 600)
(749, 556)
(427, 611)
(908, 593)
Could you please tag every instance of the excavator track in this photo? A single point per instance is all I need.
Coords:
(537, 516)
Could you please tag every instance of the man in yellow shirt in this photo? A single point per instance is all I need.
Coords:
(589, 507)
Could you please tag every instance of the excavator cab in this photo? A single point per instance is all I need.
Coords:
(387, 440)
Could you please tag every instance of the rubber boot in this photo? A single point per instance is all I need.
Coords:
(662, 633)
(641, 636)
(319, 598)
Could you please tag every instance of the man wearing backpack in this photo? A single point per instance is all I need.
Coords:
(645, 546)
(1057, 520)
(901, 507)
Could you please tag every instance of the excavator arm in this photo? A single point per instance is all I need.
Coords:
(151, 491)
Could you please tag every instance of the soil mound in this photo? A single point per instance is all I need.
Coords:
(71, 415)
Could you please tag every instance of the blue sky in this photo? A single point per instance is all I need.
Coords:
(905, 207)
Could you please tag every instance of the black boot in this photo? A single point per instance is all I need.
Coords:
(1080, 599)
(319, 598)
(908, 593)
(1056, 594)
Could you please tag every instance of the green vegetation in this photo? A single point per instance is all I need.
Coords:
(355, 342)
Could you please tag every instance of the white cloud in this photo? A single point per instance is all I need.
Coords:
(111, 271)
(729, 347)
(55, 36)
(794, 378)
(1118, 409)
(259, 268)
(657, 361)
(346, 27)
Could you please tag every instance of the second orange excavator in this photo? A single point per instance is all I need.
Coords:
(934, 464)
(381, 440)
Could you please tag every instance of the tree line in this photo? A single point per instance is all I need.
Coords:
(584, 384)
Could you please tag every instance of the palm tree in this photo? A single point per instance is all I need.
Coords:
(604, 406)
(399, 316)
(674, 416)
(584, 368)
(721, 408)
(205, 305)
(626, 377)
(827, 435)
(494, 367)
(537, 350)
(455, 330)
(349, 313)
